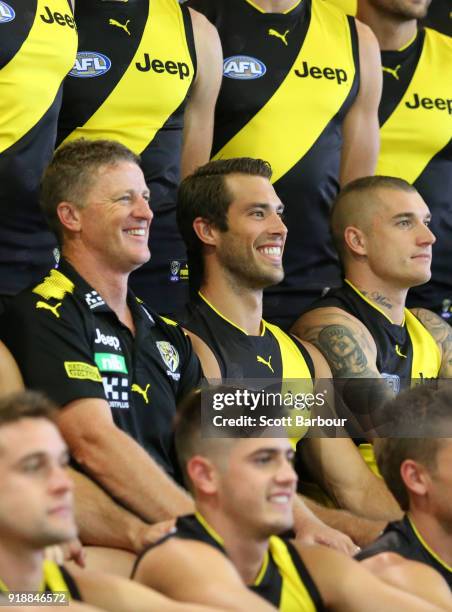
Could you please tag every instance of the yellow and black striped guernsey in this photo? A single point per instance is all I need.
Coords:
(38, 42)
(283, 579)
(55, 579)
(289, 79)
(135, 65)
(416, 144)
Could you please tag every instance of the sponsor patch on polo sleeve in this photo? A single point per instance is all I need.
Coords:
(82, 371)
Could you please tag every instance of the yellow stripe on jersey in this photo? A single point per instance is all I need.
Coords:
(287, 126)
(294, 594)
(293, 362)
(426, 353)
(161, 92)
(421, 125)
(30, 81)
(348, 6)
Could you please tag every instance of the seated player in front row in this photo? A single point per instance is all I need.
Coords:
(243, 489)
(418, 470)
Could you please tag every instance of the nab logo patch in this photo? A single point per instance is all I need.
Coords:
(90, 64)
(6, 12)
(243, 67)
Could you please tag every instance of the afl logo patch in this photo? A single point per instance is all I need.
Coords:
(90, 64)
(243, 67)
(6, 12)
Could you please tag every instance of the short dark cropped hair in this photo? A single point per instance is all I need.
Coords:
(72, 171)
(355, 199)
(425, 414)
(205, 194)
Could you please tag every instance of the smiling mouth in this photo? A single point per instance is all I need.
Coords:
(136, 232)
(272, 252)
(281, 499)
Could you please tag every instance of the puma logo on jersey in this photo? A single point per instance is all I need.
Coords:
(399, 352)
(331, 74)
(59, 18)
(429, 103)
(53, 309)
(142, 392)
(283, 37)
(265, 362)
(124, 27)
(393, 71)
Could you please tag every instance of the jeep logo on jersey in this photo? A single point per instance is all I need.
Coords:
(6, 12)
(90, 64)
(331, 74)
(430, 103)
(159, 66)
(59, 18)
(243, 67)
(106, 340)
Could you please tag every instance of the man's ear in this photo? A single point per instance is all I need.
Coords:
(202, 473)
(69, 216)
(205, 230)
(415, 477)
(355, 240)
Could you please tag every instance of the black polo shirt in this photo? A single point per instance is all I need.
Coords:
(70, 344)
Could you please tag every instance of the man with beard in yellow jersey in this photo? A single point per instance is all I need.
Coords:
(230, 218)
(38, 43)
(415, 116)
(292, 94)
(147, 74)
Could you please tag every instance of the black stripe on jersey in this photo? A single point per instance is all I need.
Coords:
(271, 586)
(394, 87)
(305, 577)
(93, 25)
(307, 357)
(72, 585)
(190, 39)
(16, 31)
(265, 87)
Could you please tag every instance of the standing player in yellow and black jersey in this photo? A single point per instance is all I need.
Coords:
(38, 43)
(147, 74)
(415, 116)
(292, 93)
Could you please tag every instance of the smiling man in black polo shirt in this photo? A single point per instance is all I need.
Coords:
(116, 368)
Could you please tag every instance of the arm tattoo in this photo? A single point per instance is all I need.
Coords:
(343, 352)
(442, 333)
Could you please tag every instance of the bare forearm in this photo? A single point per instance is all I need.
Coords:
(101, 521)
(131, 476)
(360, 530)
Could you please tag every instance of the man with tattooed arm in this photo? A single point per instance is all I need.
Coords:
(368, 336)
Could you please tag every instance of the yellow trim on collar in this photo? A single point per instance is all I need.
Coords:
(261, 10)
(427, 547)
(406, 45)
(216, 536)
(229, 320)
(380, 310)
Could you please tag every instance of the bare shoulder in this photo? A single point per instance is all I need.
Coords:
(439, 329)
(366, 36)
(206, 356)
(201, 25)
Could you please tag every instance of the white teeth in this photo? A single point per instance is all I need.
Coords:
(272, 250)
(280, 499)
(137, 232)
